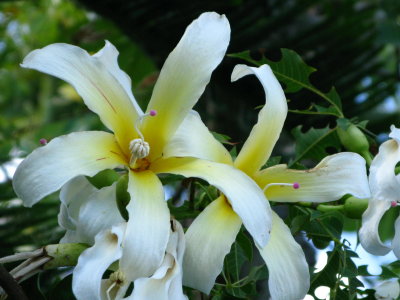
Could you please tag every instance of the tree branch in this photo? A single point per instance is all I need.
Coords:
(11, 286)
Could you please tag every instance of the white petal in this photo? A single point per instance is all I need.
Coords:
(369, 234)
(98, 213)
(388, 290)
(72, 195)
(385, 185)
(289, 277)
(258, 147)
(148, 227)
(184, 76)
(246, 198)
(208, 240)
(49, 167)
(394, 133)
(108, 56)
(396, 239)
(335, 176)
(166, 282)
(97, 79)
(93, 262)
(194, 139)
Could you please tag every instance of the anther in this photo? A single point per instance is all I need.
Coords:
(139, 149)
(43, 142)
(117, 278)
(294, 185)
(394, 204)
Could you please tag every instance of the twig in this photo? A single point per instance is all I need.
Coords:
(10, 285)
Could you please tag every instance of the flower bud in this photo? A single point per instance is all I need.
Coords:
(353, 139)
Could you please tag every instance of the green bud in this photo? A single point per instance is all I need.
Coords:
(355, 207)
(123, 196)
(353, 139)
(103, 178)
(63, 255)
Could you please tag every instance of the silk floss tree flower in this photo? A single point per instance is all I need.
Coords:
(210, 236)
(385, 190)
(96, 221)
(388, 290)
(138, 140)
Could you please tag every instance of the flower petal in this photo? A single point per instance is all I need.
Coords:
(99, 81)
(147, 230)
(246, 198)
(396, 238)
(194, 139)
(184, 76)
(335, 176)
(208, 240)
(385, 185)
(48, 168)
(258, 147)
(289, 277)
(72, 195)
(93, 262)
(98, 213)
(388, 290)
(368, 233)
(108, 56)
(166, 282)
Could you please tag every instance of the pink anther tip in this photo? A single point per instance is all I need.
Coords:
(43, 142)
(393, 204)
(296, 185)
(153, 113)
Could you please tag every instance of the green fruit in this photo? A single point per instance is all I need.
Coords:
(122, 196)
(353, 139)
(355, 207)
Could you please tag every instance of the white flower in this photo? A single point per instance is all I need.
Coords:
(138, 140)
(212, 233)
(385, 190)
(388, 290)
(96, 221)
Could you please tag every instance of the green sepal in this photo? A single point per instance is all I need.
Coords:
(63, 255)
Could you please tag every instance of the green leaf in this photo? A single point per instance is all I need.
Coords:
(295, 73)
(314, 143)
(272, 161)
(234, 262)
(222, 138)
(245, 243)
